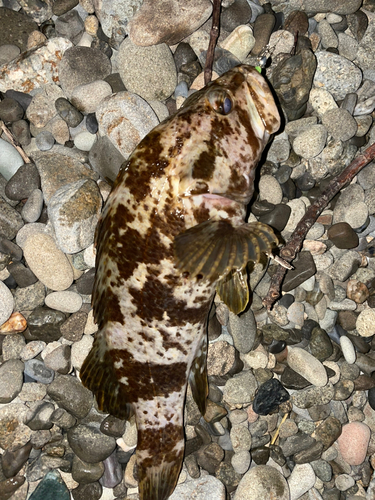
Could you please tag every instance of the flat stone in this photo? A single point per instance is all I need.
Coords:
(328, 431)
(313, 396)
(243, 330)
(6, 303)
(343, 236)
(51, 486)
(304, 268)
(90, 444)
(366, 323)
(301, 480)
(15, 28)
(240, 389)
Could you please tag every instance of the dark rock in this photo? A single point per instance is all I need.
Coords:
(296, 443)
(51, 486)
(72, 329)
(320, 345)
(9, 486)
(92, 123)
(183, 54)
(328, 431)
(260, 455)
(277, 455)
(85, 473)
(21, 132)
(305, 182)
(269, 396)
(92, 491)
(10, 248)
(236, 14)
(89, 444)
(297, 22)
(113, 474)
(112, 426)
(23, 182)
(357, 23)
(319, 412)
(70, 26)
(314, 452)
(13, 461)
(44, 323)
(63, 419)
(304, 268)
(15, 28)
(68, 112)
(292, 80)
(116, 83)
(41, 420)
(343, 236)
(10, 221)
(38, 371)
(60, 7)
(228, 476)
(277, 218)
(21, 97)
(70, 394)
(10, 110)
(22, 274)
(262, 30)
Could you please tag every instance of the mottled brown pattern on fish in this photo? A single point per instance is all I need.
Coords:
(196, 166)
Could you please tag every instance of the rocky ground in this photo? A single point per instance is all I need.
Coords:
(292, 396)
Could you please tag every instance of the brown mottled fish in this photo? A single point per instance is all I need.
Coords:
(173, 231)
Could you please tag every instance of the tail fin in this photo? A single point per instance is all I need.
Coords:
(160, 453)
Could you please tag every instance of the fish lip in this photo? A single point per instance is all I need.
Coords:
(241, 200)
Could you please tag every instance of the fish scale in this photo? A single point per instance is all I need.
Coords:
(189, 180)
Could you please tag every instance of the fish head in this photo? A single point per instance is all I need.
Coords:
(225, 127)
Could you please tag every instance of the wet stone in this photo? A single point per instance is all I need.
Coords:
(13, 461)
(304, 268)
(328, 431)
(277, 218)
(92, 491)
(269, 396)
(66, 390)
(320, 345)
(44, 323)
(84, 473)
(292, 380)
(343, 236)
(296, 443)
(210, 456)
(37, 370)
(23, 276)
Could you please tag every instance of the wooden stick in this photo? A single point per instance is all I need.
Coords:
(214, 34)
(14, 143)
(289, 251)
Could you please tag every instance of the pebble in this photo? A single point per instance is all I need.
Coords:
(67, 302)
(51, 486)
(243, 330)
(342, 235)
(47, 262)
(11, 380)
(270, 190)
(310, 143)
(240, 389)
(353, 442)
(140, 119)
(6, 303)
(84, 141)
(301, 480)
(89, 444)
(348, 350)
(307, 365)
(270, 394)
(86, 97)
(150, 26)
(149, 72)
(37, 370)
(365, 323)
(33, 207)
(66, 391)
(262, 481)
(10, 159)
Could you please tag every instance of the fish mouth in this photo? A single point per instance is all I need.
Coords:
(228, 198)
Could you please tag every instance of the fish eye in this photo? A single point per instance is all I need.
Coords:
(220, 101)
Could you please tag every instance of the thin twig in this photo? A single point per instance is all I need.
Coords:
(289, 251)
(213, 39)
(14, 143)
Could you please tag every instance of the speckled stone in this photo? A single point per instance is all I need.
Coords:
(366, 323)
(307, 365)
(262, 481)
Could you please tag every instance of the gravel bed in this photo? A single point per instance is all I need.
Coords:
(292, 392)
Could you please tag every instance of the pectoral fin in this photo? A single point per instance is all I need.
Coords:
(214, 247)
(233, 290)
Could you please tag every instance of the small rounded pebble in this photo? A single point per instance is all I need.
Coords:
(365, 323)
(340, 124)
(307, 365)
(65, 301)
(87, 97)
(347, 349)
(270, 190)
(47, 262)
(353, 442)
(310, 143)
(33, 207)
(44, 140)
(84, 141)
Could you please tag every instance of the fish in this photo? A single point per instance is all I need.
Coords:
(172, 232)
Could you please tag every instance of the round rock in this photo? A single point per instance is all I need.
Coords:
(301, 480)
(47, 262)
(340, 124)
(87, 97)
(311, 142)
(89, 444)
(70, 394)
(270, 190)
(262, 481)
(147, 71)
(365, 323)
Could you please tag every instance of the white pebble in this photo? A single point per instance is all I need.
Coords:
(67, 302)
(307, 365)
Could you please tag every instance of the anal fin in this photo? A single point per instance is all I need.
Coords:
(99, 375)
(198, 377)
(234, 290)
